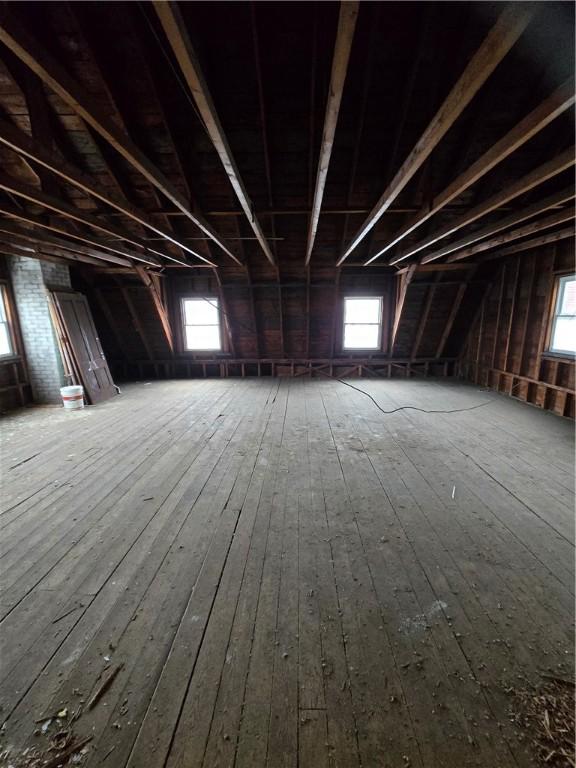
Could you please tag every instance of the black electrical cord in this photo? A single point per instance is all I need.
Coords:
(408, 407)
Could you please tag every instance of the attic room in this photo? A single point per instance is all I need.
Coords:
(287, 349)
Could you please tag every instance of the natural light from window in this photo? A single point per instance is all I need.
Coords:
(201, 324)
(362, 323)
(563, 336)
(5, 339)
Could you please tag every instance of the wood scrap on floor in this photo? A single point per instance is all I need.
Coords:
(547, 717)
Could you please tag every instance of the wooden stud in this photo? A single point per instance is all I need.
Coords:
(511, 316)
(424, 318)
(405, 280)
(451, 318)
(158, 305)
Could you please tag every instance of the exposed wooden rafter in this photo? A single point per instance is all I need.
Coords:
(53, 74)
(345, 35)
(58, 227)
(561, 100)
(404, 281)
(508, 28)
(430, 293)
(541, 206)
(560, 217)
(24, 145)
(156, 297)
(526, 245)
(34, 195)
(44, 238)
(538, 176)
(175, 31)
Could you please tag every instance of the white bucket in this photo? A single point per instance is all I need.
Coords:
(72, 397)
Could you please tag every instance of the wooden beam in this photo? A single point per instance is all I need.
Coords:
(560, 217)
(25, 146)
(55, 226)
(511, 315)
(451, 318)
(43, 238)
(18, 40)
(553, 237)
(526, 318)
(158, 305)
(225, 313)
(543, 173)
(107, 312)
(508, 28)
(345, 35)
(405, 280)
(541, 206)
(420, 268)
(424, 317)
(498, 315)
(34, 195)
(135, 318)
(175, 30)
(556, 104)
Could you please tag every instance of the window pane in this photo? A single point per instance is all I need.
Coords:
(200, 312)
(361, 310)
(5, 345)
(202, 337)
(2, 306)
(361, 336)
(564, 335)
(568, 304)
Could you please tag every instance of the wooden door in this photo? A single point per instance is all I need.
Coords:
(78, 325)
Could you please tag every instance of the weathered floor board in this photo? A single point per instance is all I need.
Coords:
(286, 575)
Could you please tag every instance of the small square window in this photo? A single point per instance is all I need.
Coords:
(362, 323)
(6, 344)
(201, 325)
(563, 330)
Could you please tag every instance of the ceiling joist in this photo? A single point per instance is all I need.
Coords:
(510, 25)
(345, 35)
(560, 217)
(538, 176)
(25, 146)
(556, 104)
(27, 49)
(180, 42)
(60, 228)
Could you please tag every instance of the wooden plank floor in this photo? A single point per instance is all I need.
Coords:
(288, 576)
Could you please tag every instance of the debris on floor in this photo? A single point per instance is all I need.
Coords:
(546, 716)
(57, 745)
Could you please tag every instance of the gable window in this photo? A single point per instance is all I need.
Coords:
(563, 330)
(6, 343)
(201, 324)
(362, 323)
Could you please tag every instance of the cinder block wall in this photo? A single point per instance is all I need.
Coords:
(31, 281)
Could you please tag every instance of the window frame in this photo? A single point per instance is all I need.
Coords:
(378, 346)
(555, 305)
(6, 310)
(183, 325)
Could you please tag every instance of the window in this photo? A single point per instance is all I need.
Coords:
(362, 323)
(563, 331)
(201, 324)
(6, 347)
